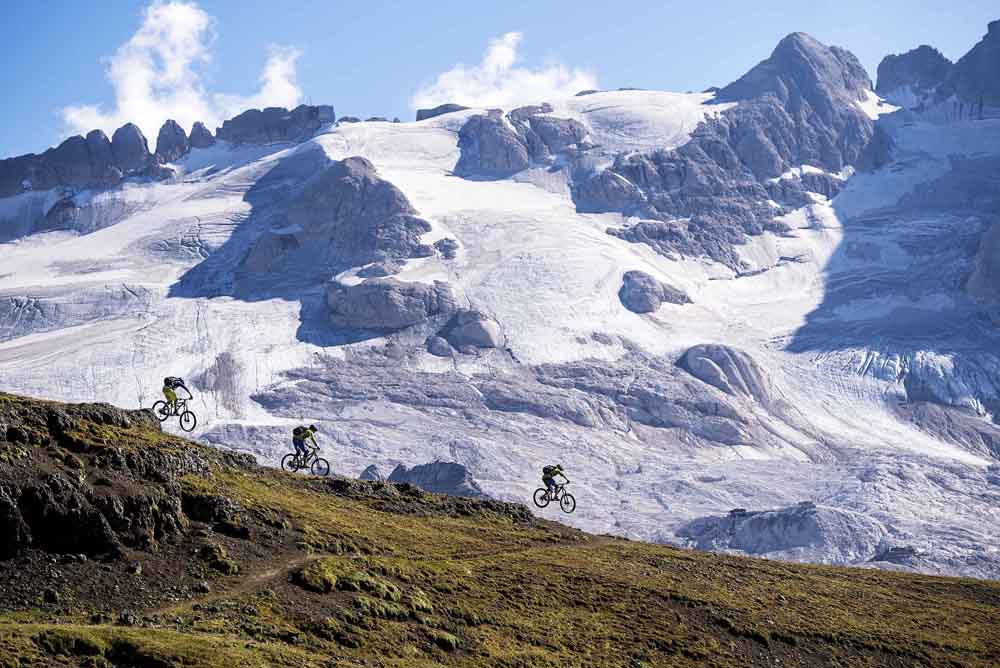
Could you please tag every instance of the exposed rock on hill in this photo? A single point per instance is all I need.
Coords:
(172, 142)
(130, 148)
(387, 304)
(439, 477)
(975, 78)
(641, 293)
(473, 329)
(732, 371)
(201, 136)
(912, 78)
(424, 114)
(275, 124)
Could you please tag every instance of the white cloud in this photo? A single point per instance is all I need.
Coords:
(157, 75)
(497, 82)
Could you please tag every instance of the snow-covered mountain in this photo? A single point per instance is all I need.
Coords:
(779, 296)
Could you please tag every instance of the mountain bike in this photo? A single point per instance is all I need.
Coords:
(316, 464)
(544, 496)
(179, 409)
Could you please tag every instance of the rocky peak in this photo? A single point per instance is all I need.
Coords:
(975, 78)
(424, 114)
(172, 141)
(275, 124)
(201, 136)
(130, 148)
(922, 69)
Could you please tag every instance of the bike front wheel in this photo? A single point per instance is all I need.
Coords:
(541, 497)
(290, 463)
(188, 421)
(320, 467)
(161, 410)
(567, 503)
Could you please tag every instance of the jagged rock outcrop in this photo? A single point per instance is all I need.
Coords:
(387, 304)
(201, 136)
(440, 477)
(641, 293)
(975, 78)
(371, 473)
(732, 371)
(911, 79)
(803, 531)
(343, 215)
(798, 107)
(275, 124)
(473, 329)
(172, 142)
(447, 108)
(77, 162)
(130, 149)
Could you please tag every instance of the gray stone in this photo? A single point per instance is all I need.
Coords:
(273, 124)
(914, 76)
(129, 147)
(490, 148)
(439, 347)
(172, 142)
(975, 78)
(447, 247)
(348, 119)
(371, 473)
(732, 371)
(424, 114)
(439, 477)
(387, 304)
(473, 328)
(201, 136)
(381, 269)
(641, 293)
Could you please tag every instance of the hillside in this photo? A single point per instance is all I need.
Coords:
(126, 546)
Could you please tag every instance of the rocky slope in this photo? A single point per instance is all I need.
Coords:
(131, 547)
(775, 292)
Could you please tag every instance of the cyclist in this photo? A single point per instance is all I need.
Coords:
(170, 386)
(299, 436)
(549, 474)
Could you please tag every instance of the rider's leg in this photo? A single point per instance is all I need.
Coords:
(550, 485)
(301, 452)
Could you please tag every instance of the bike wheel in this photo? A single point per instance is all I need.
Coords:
(320, 467)
(188, 421)
(161, 410)
(290, 463)
(541, 497)
(567, 503)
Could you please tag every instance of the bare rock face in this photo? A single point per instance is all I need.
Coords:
(732, 371)
(473, 328)
(440, 477)
(975, 78)
(387, 304)
(424, 114)
(274, 124)
(371, 473)
(911, 78)
(984, 282)
(172, 142)
(641, 293)
(130, 149)
(491, 148)
(201, 136)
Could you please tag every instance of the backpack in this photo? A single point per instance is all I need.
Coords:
(298, 431)
(549, 471)
(173, 382)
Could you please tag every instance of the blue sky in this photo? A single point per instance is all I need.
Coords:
(373, 58)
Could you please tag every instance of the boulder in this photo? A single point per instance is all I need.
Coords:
(424, 114)
(440, 477)
(371, 473)
(172, 142)
(387, 304)
(201, 136)
(641, 293)
(473, 328)
(130, 149)
(732, 371)
(439, 347)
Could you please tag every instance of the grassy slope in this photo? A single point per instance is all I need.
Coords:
(339, 573)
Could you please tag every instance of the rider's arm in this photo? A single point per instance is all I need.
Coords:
(189, 396)
(312, 438)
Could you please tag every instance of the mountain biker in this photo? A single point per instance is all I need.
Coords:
(299, 436)
(170, 386)
(549, 474)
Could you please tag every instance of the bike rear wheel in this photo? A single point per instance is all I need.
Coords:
(320, 467)
(161, 410)
(290, 463)
(188, 421)
(541, 497)
(567, 503)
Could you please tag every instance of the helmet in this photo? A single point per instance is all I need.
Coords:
(313, 427)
